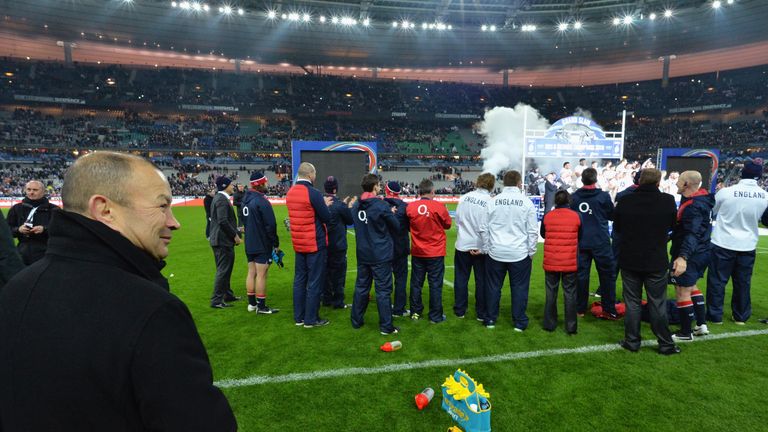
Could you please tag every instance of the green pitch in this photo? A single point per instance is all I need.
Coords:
(715, 384)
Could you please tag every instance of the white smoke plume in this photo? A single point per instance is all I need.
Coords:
(503, 131)
(581, 112)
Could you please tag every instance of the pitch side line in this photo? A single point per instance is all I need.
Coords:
(399, 367)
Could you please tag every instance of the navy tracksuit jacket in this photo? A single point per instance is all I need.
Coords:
(336, 264)
(596, 209)
(402, 248)
(375, 225)
(260, 226)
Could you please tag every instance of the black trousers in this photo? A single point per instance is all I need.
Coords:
(335, 277)
(552, 283)
(434, 270)
(606, 268)
(465, 263)
(656, 292)
(225, 261)
(400, 274)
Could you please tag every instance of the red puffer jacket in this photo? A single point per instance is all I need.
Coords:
(308, 215)
(561, 241)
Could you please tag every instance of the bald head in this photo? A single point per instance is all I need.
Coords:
(307, 171)
(34, 189)
(688, 183)
(100, 173)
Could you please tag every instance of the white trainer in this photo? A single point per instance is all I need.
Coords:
(701, 330)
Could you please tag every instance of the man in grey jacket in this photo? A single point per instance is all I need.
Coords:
(223, 238)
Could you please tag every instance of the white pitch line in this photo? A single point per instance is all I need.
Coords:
(400, 367)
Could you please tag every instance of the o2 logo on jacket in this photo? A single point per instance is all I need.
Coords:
(362, 216)
(423, 210)
(584, 208)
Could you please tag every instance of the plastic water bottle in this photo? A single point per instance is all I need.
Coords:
(391, 346)
(423, 398)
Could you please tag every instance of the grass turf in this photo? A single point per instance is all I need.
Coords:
(712, 385)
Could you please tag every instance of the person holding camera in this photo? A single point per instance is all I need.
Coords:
(29, 222)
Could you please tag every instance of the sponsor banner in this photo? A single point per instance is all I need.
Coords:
(699, 108)
(30, 98)
(209, 107)
(575, 137)
(398, 114)
(457, 116)
(279, 111)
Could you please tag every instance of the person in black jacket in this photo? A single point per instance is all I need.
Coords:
(10, 260)
(261, 241)
(336, 263)
(402, 248)
(29, 221)
(91, 339)
(224, 236)
(690, 251)
(596, 209)
(237, 200)
(550, 188)
(644, 219)
(375, 224)
(207, 206)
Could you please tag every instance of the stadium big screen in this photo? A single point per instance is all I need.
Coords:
(701, 164)
(348, 167)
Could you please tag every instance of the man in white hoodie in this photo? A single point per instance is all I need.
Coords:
(514, 234)
(471, 213)
(738, 209)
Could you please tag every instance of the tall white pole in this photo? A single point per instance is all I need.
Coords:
(525, 143)
(623, 129)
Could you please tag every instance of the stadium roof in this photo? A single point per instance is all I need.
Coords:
(494, 35)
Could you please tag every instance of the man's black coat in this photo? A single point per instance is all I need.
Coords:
(644, 220)
(92, 340)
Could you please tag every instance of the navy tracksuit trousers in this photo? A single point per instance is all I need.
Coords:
(464, 263)
(727, 264)
(308, 285)
(519, 282)
(434, 270)
(381, 275)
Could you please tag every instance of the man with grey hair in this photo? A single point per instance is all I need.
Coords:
(29, 222)
(91, 331)
(308, 214)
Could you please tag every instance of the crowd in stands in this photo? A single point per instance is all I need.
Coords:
(310, 93)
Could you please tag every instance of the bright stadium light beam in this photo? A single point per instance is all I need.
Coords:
(271, 14)
(174, 4)
(306, 17)
(652, 16)
(366, 22)
(293, 16)
(240, 11)
(405, 24)
(628, 20)
(492, 28)
(322, 18)
(716, 4)
(394, 24)
(206, 7)
(424, 26)
(668, 13)
(196, 7)
(616, 21)
(562, 26)
(335, 20)
(577, 25)
(483, 27)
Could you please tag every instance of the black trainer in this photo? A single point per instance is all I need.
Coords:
(670, 351)
(221, 305)
(267, 310)
(318, 323)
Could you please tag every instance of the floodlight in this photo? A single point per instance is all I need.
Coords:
(668, 13)
(367, 22)
(174, 4)
(394, 24)
(492, 28)
(652, 16)
(628, 19)
(305, 17)
(240, 11)
(293, 16)
(196, 6)
(226, 10)
(322, 18)
(562, 26)
(271, 14)
(335, 20)
(577, 25)
(424, 26)
(441, 26)
(484, 27)
(716, 4)
(616, 21)
(206, 7)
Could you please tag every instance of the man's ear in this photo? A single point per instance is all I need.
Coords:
(100, 208)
